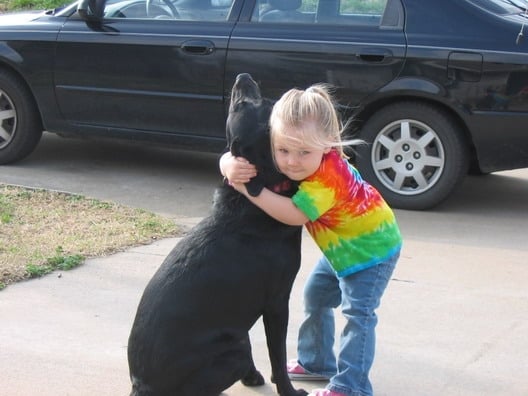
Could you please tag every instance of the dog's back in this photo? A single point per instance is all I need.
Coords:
(208, 293)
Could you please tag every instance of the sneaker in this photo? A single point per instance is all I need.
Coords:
(297, 372)
(325, 392)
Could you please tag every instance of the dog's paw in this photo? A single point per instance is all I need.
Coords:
(255, 186)
(254, 378)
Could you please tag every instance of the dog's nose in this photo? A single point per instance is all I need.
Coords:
(244, 76)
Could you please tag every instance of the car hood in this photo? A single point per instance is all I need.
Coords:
(17, 18)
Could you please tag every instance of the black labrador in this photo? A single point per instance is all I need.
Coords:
(190, 334)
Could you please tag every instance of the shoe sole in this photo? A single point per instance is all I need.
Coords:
(307, 377)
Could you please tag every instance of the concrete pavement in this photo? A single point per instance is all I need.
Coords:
(444, 329)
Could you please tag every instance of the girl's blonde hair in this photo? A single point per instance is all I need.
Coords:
(311, 112)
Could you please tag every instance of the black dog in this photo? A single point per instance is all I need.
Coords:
(190, 335)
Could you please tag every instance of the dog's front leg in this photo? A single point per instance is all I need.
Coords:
(276, 327)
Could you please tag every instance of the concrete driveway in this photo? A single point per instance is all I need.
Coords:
(453, 321)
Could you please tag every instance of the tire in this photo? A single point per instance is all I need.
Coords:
(415, 155)
(20, 124)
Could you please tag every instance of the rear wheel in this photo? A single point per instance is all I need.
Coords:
(416, 154)
(20, 126)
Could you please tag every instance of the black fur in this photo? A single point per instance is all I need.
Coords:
(190, 333)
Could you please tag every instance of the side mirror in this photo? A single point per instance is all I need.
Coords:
(91, 10)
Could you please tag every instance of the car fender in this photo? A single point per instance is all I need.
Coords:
(413, 86)
(409, 88)
(13, 62)
(10, 57)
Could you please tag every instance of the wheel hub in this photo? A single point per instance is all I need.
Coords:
(408, 157)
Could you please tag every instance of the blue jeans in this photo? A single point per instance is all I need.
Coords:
(359, 295)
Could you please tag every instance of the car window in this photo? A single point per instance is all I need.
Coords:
(335, 12)
(185, 10)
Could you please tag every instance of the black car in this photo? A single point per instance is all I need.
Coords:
(436, 87)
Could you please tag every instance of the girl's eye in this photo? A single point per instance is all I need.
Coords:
(305, 152)
(283, 151)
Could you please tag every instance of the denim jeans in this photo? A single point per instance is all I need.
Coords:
(359, 295)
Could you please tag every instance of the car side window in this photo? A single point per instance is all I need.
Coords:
(284, 11)
(334, 12)
(184, 10)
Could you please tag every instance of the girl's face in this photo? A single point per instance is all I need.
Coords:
(294, 158)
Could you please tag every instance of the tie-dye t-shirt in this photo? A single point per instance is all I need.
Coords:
(349, 220)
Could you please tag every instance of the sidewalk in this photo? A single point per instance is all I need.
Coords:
(444, 329)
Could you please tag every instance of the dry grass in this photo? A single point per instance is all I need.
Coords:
(42, 231)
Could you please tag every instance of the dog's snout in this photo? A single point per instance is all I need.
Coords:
(244, 89)
(245, 81)
(243, 76)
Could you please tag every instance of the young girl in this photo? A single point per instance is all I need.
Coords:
(350, 222)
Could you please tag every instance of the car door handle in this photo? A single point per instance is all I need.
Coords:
(374, 55)
(198, 47)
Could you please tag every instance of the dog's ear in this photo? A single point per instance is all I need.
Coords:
(229, 132)
(234, 147)
(255, 185)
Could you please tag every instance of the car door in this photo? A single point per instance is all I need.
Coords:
(342, 42)
(149, 72)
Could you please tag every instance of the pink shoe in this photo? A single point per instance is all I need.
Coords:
(297, 372)
(325, 392)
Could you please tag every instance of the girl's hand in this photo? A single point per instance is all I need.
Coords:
(237, 169)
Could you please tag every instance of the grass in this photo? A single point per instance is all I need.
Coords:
(14, 5)
(44, 231)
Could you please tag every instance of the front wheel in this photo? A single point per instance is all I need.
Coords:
(415, 154)
(20, 126)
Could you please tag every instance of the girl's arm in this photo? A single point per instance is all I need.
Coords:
(239, 171)
(279, 207)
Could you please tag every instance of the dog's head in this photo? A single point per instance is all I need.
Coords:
(248, 133)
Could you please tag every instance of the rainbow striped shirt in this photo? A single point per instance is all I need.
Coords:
(349, 220)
